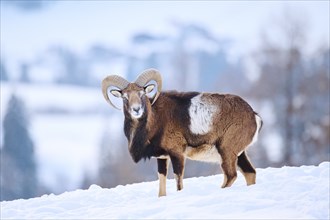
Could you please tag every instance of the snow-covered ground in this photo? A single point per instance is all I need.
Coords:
(280, 193)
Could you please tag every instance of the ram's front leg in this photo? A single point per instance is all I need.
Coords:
(178, 162)
(162, 174)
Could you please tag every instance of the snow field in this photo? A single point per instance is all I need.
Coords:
(280, 193)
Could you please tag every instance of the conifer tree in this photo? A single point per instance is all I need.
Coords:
(3, 72)
(18, 165)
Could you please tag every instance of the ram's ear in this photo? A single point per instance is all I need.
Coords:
(116, 93)
(149, 88)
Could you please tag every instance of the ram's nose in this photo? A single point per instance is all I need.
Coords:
(136, 111)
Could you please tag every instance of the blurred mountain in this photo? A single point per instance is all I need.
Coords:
(189, 60)
(28, 5)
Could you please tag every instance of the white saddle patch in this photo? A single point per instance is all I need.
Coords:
(201, 114)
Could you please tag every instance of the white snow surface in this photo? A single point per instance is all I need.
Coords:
(280, 193)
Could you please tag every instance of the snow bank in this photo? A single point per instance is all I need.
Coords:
(280, 193)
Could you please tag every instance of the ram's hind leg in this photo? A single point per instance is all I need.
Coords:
(228, 165)
(246, 168)
(162, 174)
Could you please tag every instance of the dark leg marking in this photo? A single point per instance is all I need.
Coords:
(246, 168)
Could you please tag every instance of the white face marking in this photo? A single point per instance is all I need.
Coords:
(201, 114)
(136, 111)
(134, 99)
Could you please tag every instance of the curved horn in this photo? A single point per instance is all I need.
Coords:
(116, 81)
(148, 75)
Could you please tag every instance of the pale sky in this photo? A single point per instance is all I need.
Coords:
(80, 24)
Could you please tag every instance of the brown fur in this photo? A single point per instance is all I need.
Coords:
(163, 131)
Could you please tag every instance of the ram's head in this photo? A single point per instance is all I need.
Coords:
(134, 94)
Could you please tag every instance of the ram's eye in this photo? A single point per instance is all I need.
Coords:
(149, 88)
(116, 93)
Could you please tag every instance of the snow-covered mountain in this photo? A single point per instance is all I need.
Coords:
(280, 193)
(191, 56)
